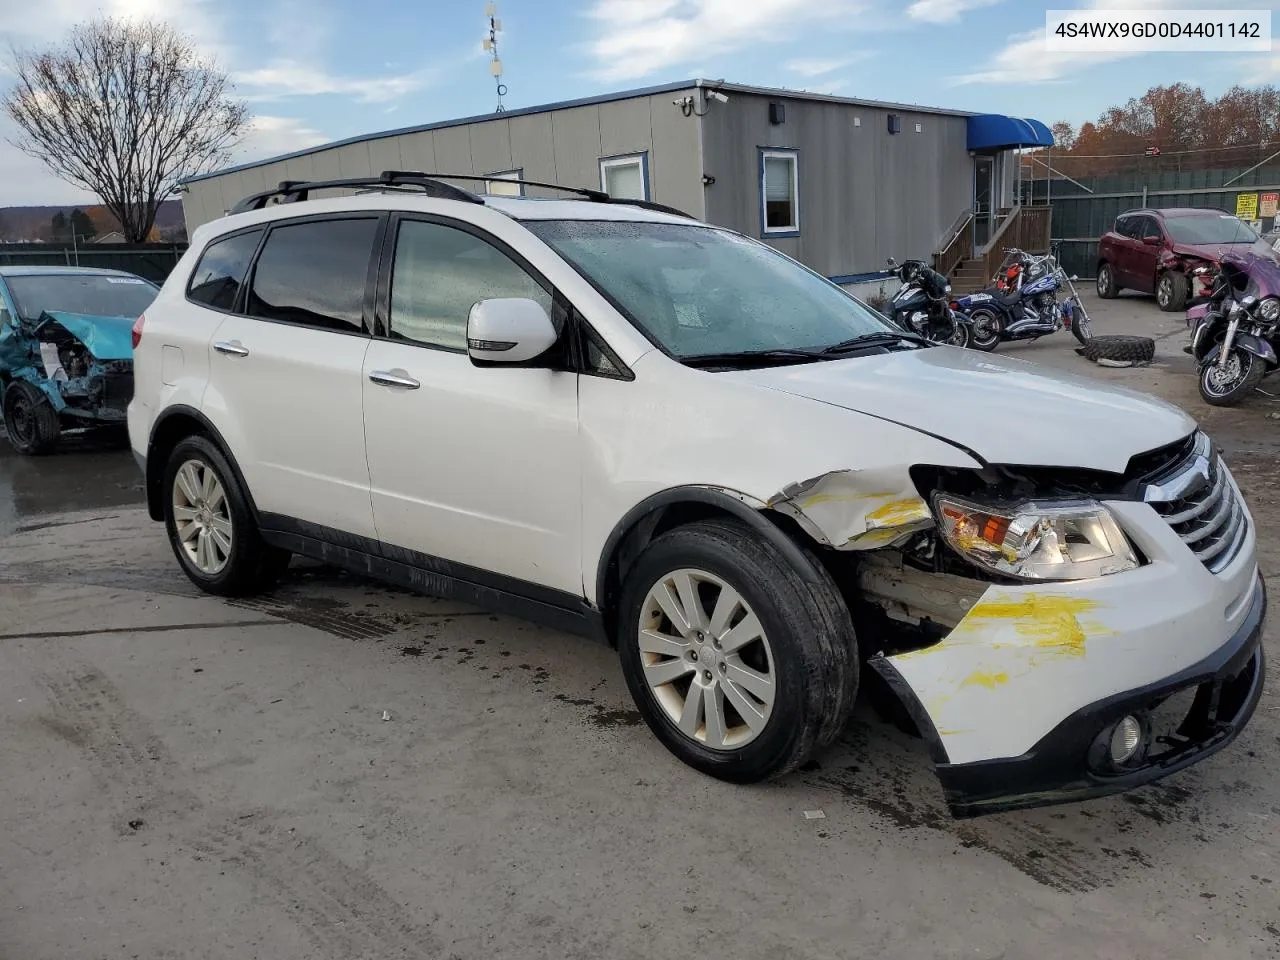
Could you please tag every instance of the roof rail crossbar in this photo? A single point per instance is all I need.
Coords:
(292, 191)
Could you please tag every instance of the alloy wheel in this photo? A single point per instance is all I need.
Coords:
(1164, 291)
(1104, 280)
(706, 659)
(202, 517)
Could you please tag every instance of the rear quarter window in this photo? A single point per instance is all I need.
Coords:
(219, 275)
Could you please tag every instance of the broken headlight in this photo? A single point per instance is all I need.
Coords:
(1036, 541)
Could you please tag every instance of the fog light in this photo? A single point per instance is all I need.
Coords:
(1125, 740)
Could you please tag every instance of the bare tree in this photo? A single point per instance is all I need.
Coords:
(124, 109)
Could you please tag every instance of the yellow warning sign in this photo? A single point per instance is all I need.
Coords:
(1268, 206)
(1247, 206)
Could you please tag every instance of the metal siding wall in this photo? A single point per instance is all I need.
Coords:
(533, 150)
(576, 141)
(384, 154)
(490, 147)
(417, 151)
(675, 159)
(864, 194)
(560, 146)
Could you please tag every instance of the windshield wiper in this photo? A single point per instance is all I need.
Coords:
(750, 357)
(880, 338)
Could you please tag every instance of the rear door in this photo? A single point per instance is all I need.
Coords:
(286, 372)
(1125, 235)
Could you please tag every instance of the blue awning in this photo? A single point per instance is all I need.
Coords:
(991, 131)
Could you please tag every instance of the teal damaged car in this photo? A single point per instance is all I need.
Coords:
(66, 350)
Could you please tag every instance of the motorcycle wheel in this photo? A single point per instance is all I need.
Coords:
(960, 338)
(1227, 386)
(984, 330)
(1082, 326)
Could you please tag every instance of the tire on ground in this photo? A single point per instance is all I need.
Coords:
(810, 637)
(253, 565)
(1119, 349)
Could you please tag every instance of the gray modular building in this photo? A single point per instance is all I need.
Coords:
(839, 183)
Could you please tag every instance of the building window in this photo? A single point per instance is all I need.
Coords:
(626, 178)
(779, 193)
(505, 184)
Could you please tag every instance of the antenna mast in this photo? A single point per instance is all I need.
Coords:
(491, 45)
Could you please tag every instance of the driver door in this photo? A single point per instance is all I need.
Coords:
(475, 466)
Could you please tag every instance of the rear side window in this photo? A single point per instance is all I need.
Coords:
(314, 274)
(1125, 226)
(440, 273)
(220, 272)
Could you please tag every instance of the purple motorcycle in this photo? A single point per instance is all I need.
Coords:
(1236, 332)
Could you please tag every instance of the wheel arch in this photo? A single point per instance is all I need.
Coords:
(172, 427)
(676, 507)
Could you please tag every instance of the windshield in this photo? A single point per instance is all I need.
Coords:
(1223, 228)
(95, 295)
(700, 291)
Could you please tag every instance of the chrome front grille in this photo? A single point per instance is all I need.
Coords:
(1197, 499)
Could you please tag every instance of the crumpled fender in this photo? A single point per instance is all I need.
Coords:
(855, 509)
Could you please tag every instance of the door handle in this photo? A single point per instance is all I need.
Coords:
(394, 378)
(232, 348)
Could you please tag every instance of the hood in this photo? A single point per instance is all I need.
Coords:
(107, 338)
(1216, 251)
(1006, 411)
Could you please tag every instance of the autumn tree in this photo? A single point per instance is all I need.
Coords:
(125, 109)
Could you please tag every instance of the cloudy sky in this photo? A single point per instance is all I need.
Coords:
(319, 70)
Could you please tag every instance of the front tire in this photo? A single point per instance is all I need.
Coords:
(1171, 291)
(984, 330)
(741, 668)
(1081, 325)
(211, 528)
(1108, 289)
(1228, 387)
(29, 419)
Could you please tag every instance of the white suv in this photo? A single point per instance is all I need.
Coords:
(629, 424)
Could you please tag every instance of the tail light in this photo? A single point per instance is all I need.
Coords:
(137, 330)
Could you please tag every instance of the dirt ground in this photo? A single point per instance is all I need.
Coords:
(184, 777)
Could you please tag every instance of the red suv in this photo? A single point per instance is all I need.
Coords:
(1154, 251)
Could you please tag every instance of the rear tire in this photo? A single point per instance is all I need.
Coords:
(802, 642)
(1108, 289)
(1171, 291)
(210, 525)
(29, 419)
(1227, 393)
(984, 330)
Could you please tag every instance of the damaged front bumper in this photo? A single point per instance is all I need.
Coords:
(1018, 699)
(1187, 716)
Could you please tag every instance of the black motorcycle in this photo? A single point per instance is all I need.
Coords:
(1235, 334)
(922, 304)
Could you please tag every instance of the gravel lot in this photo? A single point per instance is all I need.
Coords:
(185, 777)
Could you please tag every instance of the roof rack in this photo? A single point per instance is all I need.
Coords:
(433, 185)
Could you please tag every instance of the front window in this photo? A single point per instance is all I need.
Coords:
(626, 178)
(700, 291)
(94, 295)
(779, 192)
(1222, 228)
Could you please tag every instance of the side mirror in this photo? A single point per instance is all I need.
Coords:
(1151, 241)
(508, 330)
